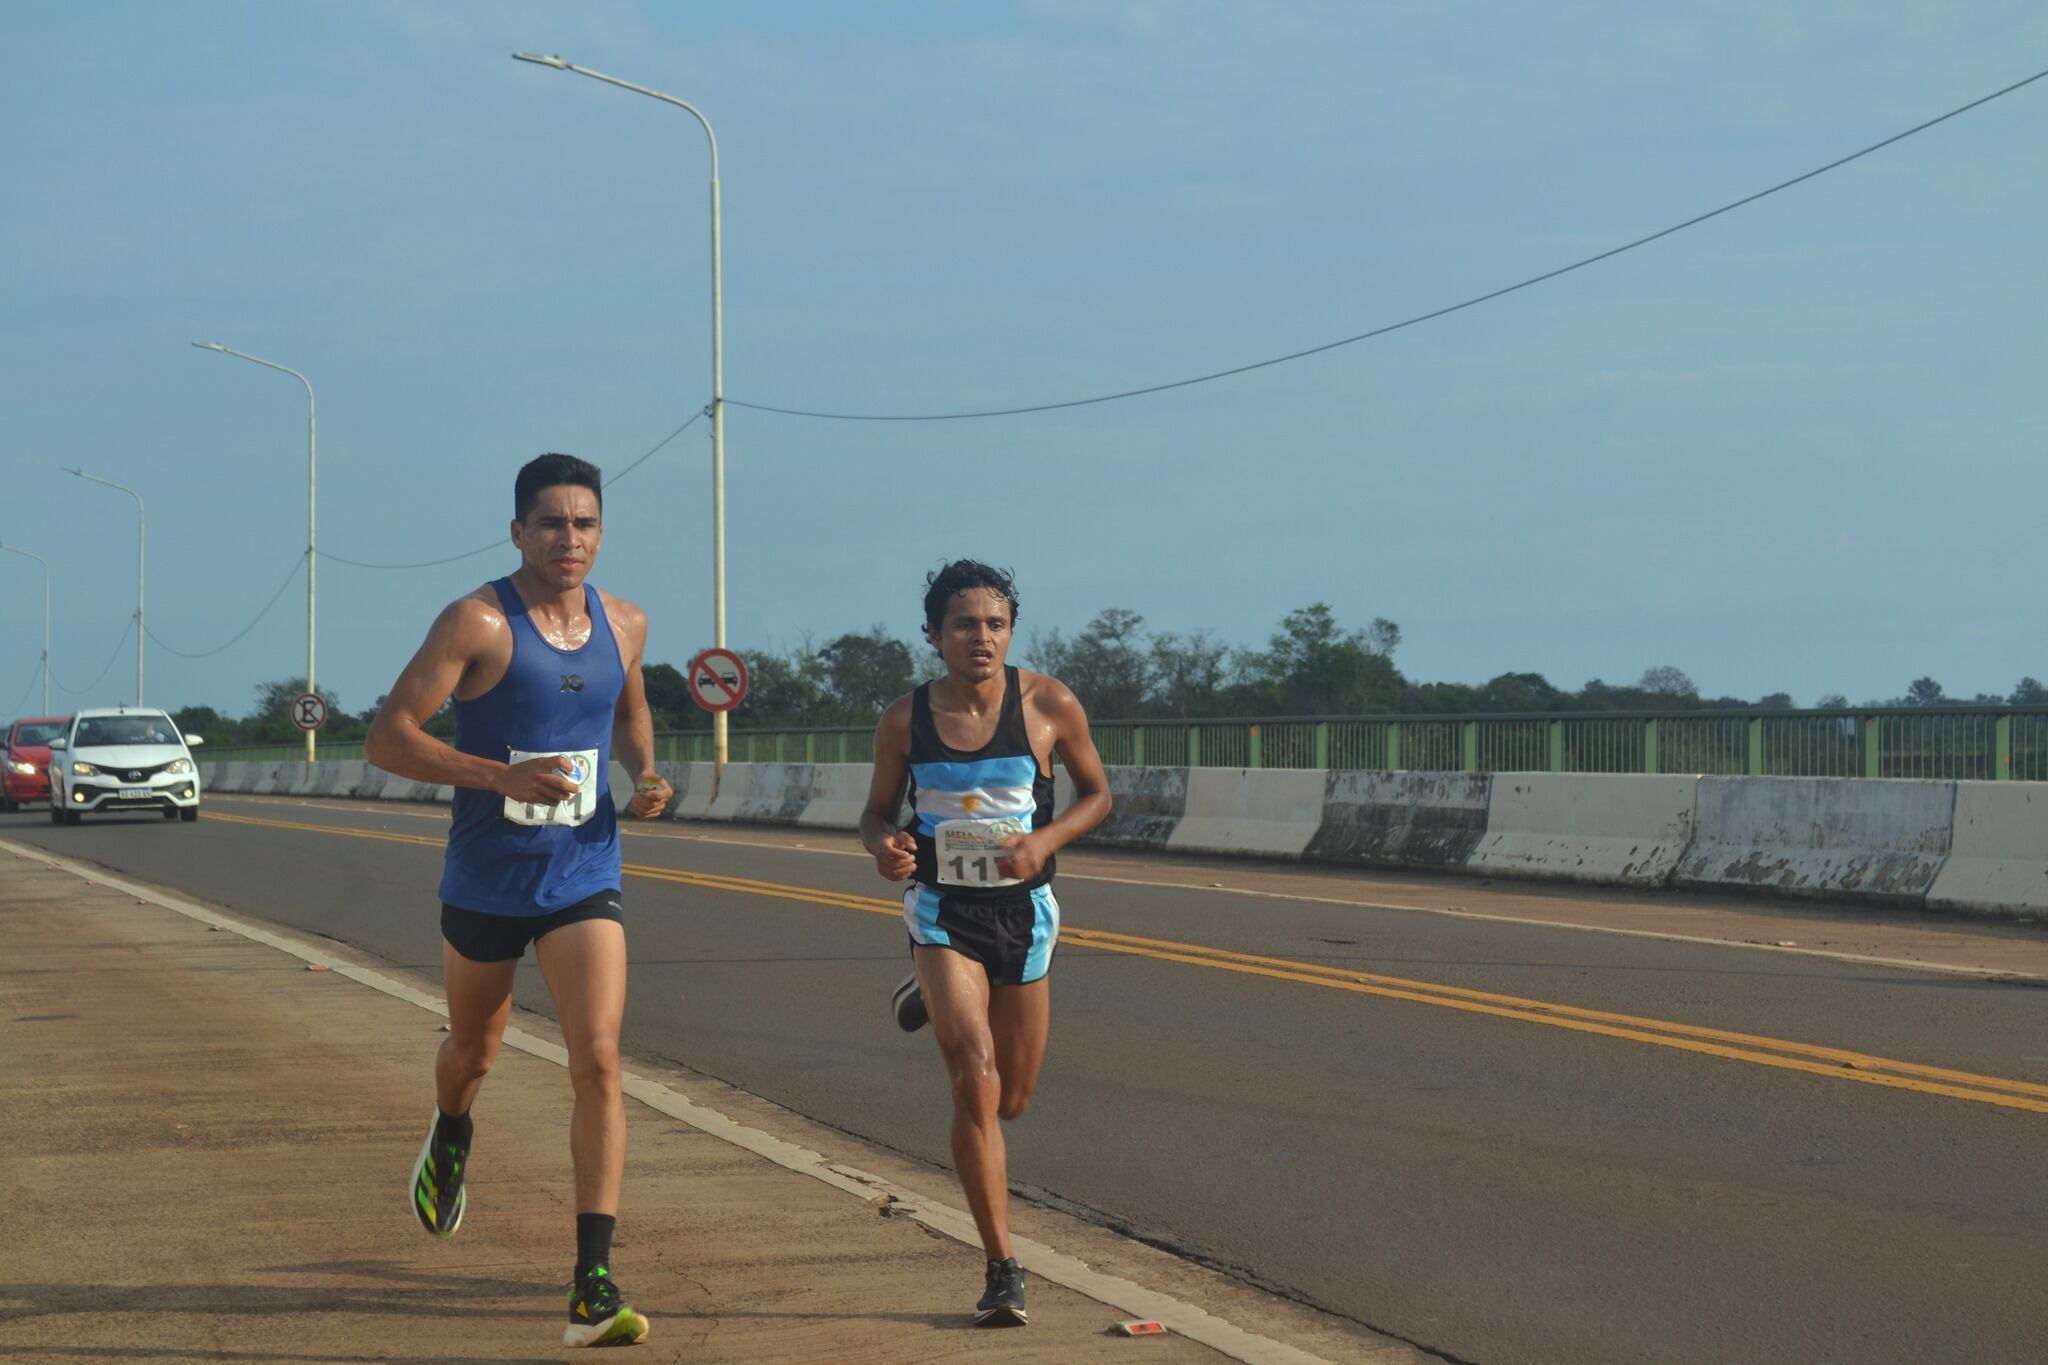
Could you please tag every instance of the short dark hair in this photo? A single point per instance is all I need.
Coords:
(960, 576)
(549, 471)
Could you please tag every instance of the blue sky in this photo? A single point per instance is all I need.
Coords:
(1791, 449)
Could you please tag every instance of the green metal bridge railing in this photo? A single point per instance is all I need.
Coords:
(1942, 742)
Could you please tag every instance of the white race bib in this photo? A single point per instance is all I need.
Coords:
(575, 810)
(968, 850)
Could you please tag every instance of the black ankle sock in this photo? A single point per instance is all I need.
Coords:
(453, 1130)
(593, 1242)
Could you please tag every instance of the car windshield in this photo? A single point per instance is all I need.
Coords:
(100, 731)
(38, 734)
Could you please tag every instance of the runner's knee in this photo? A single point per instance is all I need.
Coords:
(976, 1086)
(1014, 1102)
(470, 1055)
(594, 1067)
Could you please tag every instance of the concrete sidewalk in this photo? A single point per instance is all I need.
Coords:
(207, 1150)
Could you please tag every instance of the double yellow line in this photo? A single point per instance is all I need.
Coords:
(1809, 1058)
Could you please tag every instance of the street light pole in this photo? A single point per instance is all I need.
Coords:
(31, 554)
(718, 726)
(312, 561)
(139, 527)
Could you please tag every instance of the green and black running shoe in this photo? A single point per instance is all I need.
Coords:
(599, 1316)
(437, 1194)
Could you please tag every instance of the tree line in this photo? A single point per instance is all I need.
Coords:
(1309, 665)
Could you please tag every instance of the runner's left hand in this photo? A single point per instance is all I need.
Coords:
(651, 797)
(1023, 857)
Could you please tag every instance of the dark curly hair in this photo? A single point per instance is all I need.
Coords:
(548, 471)
(960, 576)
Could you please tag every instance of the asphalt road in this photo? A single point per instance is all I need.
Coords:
(1506, 1141)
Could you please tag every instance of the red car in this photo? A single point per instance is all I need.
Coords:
(25, 765)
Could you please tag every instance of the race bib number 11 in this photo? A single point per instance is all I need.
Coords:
(575, 810)
(968, 850)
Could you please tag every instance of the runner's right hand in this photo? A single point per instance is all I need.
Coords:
(542, 781)
(896, 858)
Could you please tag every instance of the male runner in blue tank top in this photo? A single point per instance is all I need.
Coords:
(974, 752)
(545, 673)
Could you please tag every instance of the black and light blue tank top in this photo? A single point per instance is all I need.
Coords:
(509, 858)
(964, 803)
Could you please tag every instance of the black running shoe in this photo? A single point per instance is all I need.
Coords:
(600, 1316)
(909, 1006)
(438, 1193)
(1003, 1304)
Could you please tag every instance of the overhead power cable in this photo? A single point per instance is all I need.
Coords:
(1381, 331)
(15, 709)
(300, 560)
(500, 541)
(112, 655)
(297, 563)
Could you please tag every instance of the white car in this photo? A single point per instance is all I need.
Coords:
(115, 758)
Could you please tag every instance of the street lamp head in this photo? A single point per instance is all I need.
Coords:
(556, 62)
(209, 346)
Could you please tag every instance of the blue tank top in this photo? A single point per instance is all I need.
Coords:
(999, 782)
(550, 701)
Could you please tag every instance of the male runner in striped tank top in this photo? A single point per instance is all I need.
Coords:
(545, 673)
(974, 752)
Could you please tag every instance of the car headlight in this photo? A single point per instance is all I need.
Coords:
(179, 765)
(15, 765)
(82, 769)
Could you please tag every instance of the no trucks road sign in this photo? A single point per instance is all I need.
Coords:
(718, 680)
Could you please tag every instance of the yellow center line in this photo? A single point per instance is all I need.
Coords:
(1338, 975)
(1785, 1054)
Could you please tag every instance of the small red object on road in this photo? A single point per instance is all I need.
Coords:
(1139, 1329)
(316, 967)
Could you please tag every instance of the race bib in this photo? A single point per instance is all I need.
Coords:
(968, 850)
(575, 810)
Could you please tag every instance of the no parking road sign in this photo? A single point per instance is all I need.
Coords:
(718, 680)
(309, 710)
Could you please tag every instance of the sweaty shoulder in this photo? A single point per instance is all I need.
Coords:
(622, 614)
(470, 645)
(1046, 694)
(476, 619)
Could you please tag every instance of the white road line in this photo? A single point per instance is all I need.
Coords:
(1126, 1296)
(1702, 940)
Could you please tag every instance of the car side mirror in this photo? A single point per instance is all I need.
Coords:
(193, 741)
(60, 743)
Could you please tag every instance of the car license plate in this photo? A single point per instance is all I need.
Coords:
(135, 793)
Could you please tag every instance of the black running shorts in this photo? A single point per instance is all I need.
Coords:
(503, 938)
(1011, 933)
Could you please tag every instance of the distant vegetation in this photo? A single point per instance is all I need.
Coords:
(1310, 665)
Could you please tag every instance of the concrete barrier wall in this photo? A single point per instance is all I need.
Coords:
(1616, 829)
(1998, 855)
(1846, 838)
(763, 793)
(334, 779)
(839, 793)
(1971, 847)
(1271, 812)
(1145, 805)
(327, 777)
(1392, 819)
